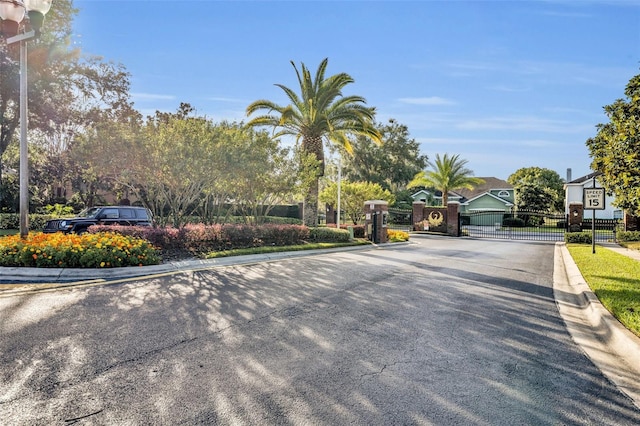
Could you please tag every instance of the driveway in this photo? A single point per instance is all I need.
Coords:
(440, 331)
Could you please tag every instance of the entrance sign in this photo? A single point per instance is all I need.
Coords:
(593, 198)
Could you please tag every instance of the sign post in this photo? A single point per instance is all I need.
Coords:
(593, 200)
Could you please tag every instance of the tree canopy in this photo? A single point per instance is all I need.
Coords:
(537, 189)
(319, 112)
(615, 150)
(392, 164)
(353, 195)
(447, 173)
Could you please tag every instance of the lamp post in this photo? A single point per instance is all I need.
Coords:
(12, 13)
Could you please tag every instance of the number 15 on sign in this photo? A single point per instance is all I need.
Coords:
(594, 199)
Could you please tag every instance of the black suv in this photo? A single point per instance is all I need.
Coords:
(104, 215)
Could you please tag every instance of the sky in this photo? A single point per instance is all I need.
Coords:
(502, 84)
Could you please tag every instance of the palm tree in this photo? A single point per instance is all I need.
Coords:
(319, 113)
(448, 174)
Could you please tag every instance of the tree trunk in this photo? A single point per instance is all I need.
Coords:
(310, 209)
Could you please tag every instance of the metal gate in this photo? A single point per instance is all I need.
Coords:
(401, 220)
(520, 225)
(527, 225)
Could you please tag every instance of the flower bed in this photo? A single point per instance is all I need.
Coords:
(101, 250)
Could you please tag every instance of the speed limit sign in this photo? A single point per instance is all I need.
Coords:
(593, 199)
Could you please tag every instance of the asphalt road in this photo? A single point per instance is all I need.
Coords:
(441, 331)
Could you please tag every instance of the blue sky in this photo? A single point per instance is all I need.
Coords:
(505, 84)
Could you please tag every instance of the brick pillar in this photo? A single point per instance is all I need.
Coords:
(453, 225)
(418, 214)
(630, 222)
(576, 212)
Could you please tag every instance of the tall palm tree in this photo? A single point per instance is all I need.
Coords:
(448, 174)
(319, 113)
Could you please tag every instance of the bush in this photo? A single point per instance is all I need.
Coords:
(201, 238)
(575, 228)
(628, 236)
(514, 222)
(328, 235)
(358, 230)
(12, 221)
(395, 236)
(578, 237)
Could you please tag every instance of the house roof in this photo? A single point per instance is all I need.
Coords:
(489, 184)
(490, 195)
(436, 193)
(586, 178)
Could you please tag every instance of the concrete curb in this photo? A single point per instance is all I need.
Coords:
(609, 345)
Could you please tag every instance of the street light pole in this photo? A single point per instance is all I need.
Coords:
(339, 182)
(36, 9)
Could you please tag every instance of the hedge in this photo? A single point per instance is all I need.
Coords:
(202, 238)
(578, 237)
(12, 221)
(628, 236)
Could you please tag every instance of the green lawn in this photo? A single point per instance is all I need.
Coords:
(268, 249)
(614, 278)
(8, 232)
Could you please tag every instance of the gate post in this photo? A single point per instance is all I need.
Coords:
(376, 212)
(453, 222)
(418, 214)
(576, 210)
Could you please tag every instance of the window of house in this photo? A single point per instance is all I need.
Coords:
(503, 194)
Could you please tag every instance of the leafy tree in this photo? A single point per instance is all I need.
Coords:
(263, 175)
(181, 161)
(615, 150)
(353, 195)
(66, 91)
(392, 164)
(320, 112)
(538, 189)
(448, 174)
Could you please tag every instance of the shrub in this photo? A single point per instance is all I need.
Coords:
(12, 221)
(578, 237)
(358, 230)
(514, 222)
(397, 236)
(328, 235)
(575, 228)
(282, 235)
(628, 236)
(198, 238)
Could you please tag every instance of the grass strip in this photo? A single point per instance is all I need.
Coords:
(614, 278)
(276, 249)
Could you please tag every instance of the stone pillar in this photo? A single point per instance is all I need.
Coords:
(418, 214)
(376, 213)
(576, 212)
(453, 224)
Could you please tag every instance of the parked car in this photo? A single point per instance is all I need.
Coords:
(102, 215)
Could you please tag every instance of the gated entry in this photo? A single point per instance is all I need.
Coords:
(515, 226)
(527, 225)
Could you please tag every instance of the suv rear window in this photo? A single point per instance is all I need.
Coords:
(127, 214)
(142, 214)
(109, 213)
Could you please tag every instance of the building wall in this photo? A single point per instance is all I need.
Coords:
(574, 192)
(485, 203)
